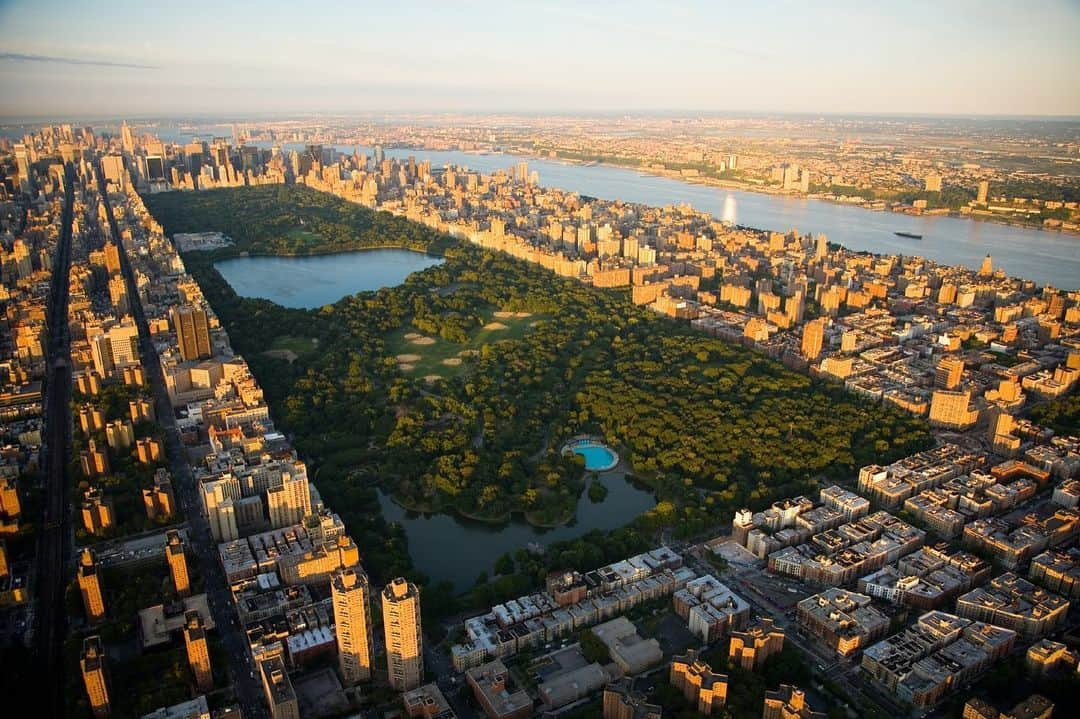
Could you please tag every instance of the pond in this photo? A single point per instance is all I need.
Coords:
(310, 281)
(449, 547)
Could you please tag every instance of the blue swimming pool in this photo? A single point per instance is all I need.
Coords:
(598, 458)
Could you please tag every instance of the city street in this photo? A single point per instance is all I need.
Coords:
(53, 547)
(244, 678)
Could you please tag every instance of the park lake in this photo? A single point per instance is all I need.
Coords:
(443, 546)
(312, 281)
(456, 549)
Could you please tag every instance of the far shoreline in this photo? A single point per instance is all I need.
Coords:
(748, 187)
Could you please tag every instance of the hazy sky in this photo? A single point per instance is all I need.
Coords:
(133, 57)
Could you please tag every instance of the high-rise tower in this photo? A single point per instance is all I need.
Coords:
(92, 663)
(198, 654)
(351, 595)
(90, 587)
(192, 329)
(401, 622)
(174, 554)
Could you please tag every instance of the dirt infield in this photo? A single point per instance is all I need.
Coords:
(287, 355)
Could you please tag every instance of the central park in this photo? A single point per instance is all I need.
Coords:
(512, 363)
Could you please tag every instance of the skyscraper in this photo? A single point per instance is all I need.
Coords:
(92, 663)
(401, 622)
(112, 166)
(933, 182)
(112, 258)
(192, 329)
(9, 498)
(155, 168)
(127, 139)
(812, 338)
(949, 372)
(984, 191)
(987, 268)
(90, 587)
(198, 654)
(290, 502)
(174, 553)
(351, 596)
(218, 499)
(22, 166)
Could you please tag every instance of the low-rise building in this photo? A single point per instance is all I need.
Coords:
(845, 621)
(622, 702)
(427, 702)
(630, 652)
(1047, 657)
(1015, 603)
(490, 685)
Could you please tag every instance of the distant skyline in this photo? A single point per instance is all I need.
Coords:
(234, 58)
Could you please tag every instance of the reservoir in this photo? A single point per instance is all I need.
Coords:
(315, 280)
(1048, 257)
(449, 547)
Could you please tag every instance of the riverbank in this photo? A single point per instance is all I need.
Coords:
(746, 186)
(760, 189)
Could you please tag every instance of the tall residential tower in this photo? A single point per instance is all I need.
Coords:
(404, 648)
(352, 615)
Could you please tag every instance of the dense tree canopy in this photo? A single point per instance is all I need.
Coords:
(711, 426)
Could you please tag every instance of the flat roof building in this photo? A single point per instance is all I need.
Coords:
(95, 676)
(844, 620)
(278, 689)
(1015, 603)
(427, 702)
(628, 650)
(490, 684)
(622, 702)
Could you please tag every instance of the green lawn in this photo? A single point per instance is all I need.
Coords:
(299, 235)
(402, 345)
(299, 345)
(290, 347)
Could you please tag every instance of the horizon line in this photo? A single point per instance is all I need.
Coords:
(672, 113)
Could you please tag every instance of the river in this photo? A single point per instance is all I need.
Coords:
(1048, 257)
(312, 281)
